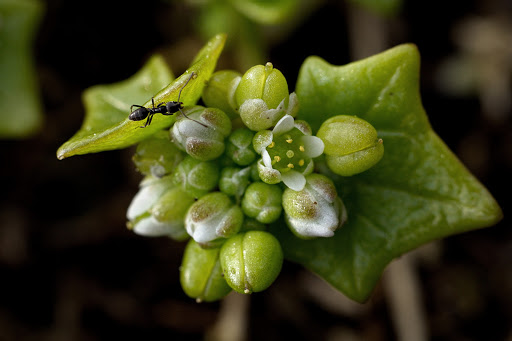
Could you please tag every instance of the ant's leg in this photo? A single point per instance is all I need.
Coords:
(148, 121)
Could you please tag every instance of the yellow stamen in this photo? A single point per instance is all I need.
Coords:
(272, 144)
(290, 165)
(289, 140)
(277, 158)
(301, 148)
(301, 162)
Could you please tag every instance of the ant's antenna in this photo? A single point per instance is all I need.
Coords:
(192, 75)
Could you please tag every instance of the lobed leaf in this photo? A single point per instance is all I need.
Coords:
(106, 125)
(417, 193)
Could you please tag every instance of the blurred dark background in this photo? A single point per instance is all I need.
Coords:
(70, 270)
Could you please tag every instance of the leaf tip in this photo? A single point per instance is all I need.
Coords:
(61, 153)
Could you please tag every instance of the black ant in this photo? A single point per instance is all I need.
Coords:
(163, 108)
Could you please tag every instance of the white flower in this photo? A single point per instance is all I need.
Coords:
(287, 152)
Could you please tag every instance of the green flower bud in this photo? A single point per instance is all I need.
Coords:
(351, 144)
(262, 202)
(251, 261)
(170, 210)
(316, 210)
(262, 96)
(212, 217)
(219, 92)
(239, 147)
(201, 274)
(196, 177)
(158, 209)
(234, 180)
(157, 155)
(202, 142)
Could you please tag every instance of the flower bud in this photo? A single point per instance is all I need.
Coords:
(196, 177)
(170, 211)
(219, 92)
(213, 217)
(239, 147)
(251, 261)
(158, 209)
(262, 202)
(201, 274)
(234, 180)
(157, 155)
(316, 210)
(351, 144)
(262, 97)
(202, 142)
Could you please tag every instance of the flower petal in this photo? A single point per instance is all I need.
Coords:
(261, 140)
(265, 156)
(150, 227)
(293, 105)
(294, 180)
(151, 190)
(314, 146)
(309, 168)
(202, 231)
(283, 125)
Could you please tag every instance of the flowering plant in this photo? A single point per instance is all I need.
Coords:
(341, 176)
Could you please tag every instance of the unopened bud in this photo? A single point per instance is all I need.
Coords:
(213, 217)
(251, 261)
(219, 92)
(262, 97)
(262, 202)
(316, 210)
(196, 177)
(202, 135)
(157, 155)
(351, 144)
(201, 274)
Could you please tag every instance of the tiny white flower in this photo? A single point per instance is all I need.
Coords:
(287, 153)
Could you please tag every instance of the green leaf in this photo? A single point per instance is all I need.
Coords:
(417, 193)
(106, 125)
(20, 107)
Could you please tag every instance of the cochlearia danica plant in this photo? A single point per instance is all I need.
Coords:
(341, 175)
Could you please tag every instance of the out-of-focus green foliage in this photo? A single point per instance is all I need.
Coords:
(20, 107)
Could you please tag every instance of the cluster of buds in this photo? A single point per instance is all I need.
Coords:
(249, 164)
